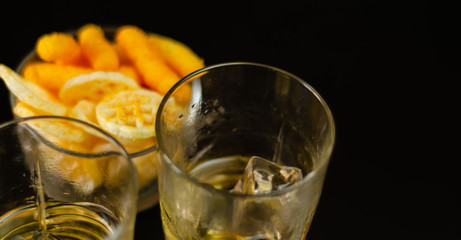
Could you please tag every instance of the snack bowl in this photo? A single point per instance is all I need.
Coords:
(142, 153)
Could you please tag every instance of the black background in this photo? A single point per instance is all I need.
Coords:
(388, 70)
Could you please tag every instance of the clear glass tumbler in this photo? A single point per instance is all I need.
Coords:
(236, 111)
(144, 156)
(64, 179)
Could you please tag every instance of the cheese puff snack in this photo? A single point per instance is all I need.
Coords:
(79, 70)
(97, 49)
(60, 48)
(52, 76)
(179, 56)
(150, 63)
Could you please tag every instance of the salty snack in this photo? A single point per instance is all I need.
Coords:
(130, 71)
(30, 93)
(97, 49)
(60, 48)
(95, 86)
(177, 55)
(116, 84)
(129, 114)
(52, 76)
(148, 60)
(58, 132)
(84, 110)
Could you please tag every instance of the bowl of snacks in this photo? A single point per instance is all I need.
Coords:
(113, 78)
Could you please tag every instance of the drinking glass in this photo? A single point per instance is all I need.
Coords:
(62, 178)
(237, 111)
(143, 156)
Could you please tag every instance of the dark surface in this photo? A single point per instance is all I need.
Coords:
(389, 72)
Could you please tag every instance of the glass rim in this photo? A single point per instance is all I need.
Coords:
(322, 165)
(108, 137)
(121, 225)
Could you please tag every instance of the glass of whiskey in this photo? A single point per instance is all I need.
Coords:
(245, 157)
(62, 178)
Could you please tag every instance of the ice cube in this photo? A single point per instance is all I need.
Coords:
(263, 176)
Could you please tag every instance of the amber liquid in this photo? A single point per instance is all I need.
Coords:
(56, 220)
(221, 173)
(83, 221)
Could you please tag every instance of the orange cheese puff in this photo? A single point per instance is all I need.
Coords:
(97, 49)
(160, 79)
(90, 31)
(123, 58)
(179, 56)
(60, 48)
(156, 74)
(130, 71)
(52, 76)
